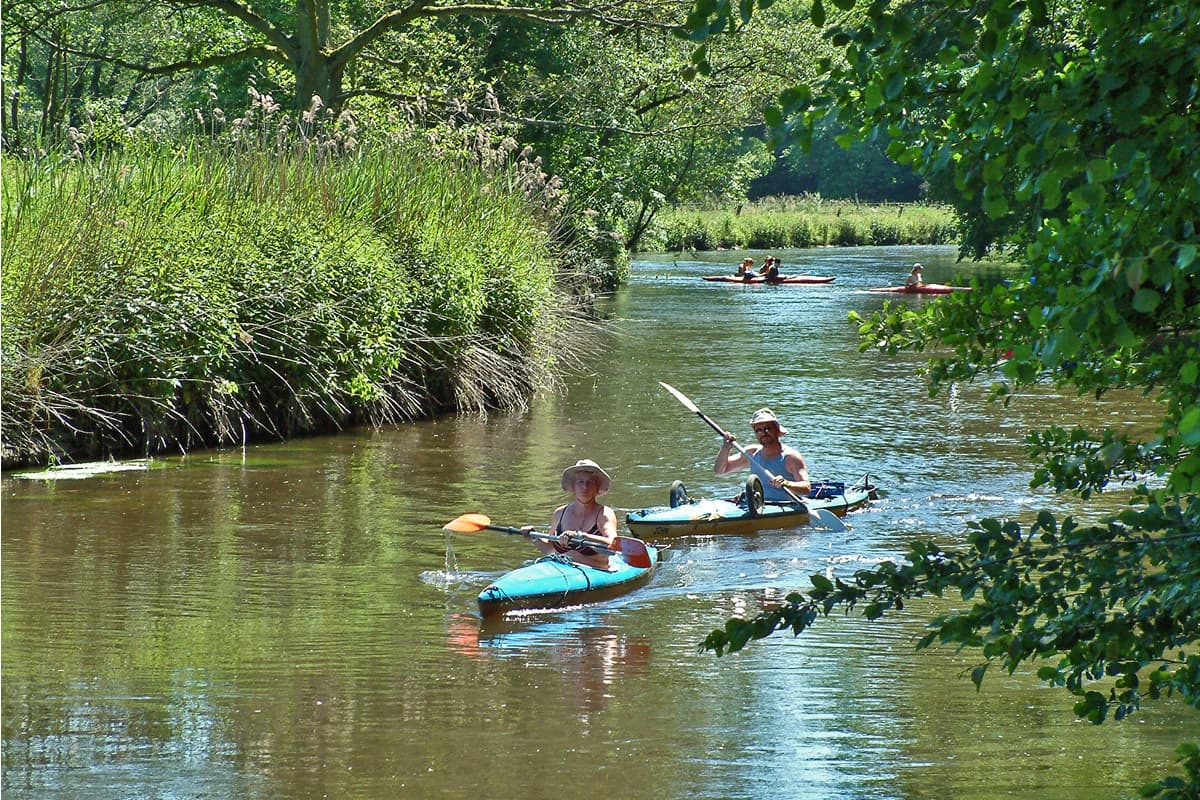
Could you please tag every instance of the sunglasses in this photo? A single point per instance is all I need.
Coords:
(764, 429)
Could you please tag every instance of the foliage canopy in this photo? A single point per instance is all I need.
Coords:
(1071, 135)
(604, 93)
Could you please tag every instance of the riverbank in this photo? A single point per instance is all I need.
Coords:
(163, 301)
(799, 222)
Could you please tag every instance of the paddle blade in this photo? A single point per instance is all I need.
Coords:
(680, 396)
(824, 518)
(468, 523)
(634, 552)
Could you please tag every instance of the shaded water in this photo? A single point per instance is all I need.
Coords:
(291, 622)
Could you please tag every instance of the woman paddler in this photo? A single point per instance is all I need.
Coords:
(584, 520)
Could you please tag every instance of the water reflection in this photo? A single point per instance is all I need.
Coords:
(590, 653)
(292, 621)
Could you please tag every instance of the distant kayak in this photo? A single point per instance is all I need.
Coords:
(925, 288)
(785, 280)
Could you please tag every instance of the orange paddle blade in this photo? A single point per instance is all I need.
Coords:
(467, 523)
(634, 552)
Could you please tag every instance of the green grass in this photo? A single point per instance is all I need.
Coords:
(797, 222)
(179, 298)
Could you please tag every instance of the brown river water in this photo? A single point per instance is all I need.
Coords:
(290, 621)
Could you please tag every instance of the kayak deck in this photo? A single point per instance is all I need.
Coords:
(714, 516)
(555, 581)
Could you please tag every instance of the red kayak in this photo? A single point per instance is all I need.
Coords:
(781, 280)
(925, 288)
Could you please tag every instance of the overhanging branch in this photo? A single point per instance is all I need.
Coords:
(489, 111)
(261, 51)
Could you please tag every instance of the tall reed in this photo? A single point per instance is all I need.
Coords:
(169, 298)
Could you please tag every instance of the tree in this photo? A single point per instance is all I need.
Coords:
(606, 95)
(860, 171)
(318, 43)
(629, 121)
(1072, 137)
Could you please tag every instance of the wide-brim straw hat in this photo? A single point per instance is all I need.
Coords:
(767, 415)
(586, 465)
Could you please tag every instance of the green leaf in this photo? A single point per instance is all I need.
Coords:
(1099, 170)
(1188, 373)
(1189, 426)
(1122, 153)
(1185, 257)
(1146, 300)
(988, 42)
(995, 204)
(1048, 186)
(872, 96)
(821, 583)
(818, 13)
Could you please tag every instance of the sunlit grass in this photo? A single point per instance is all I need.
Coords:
(808, 221)
(169, 298)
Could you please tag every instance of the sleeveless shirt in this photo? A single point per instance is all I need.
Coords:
(776, 466)
(583, 549)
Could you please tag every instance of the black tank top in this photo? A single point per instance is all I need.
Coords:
(583, 549)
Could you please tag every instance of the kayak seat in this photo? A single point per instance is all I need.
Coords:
(679, 496)
(753, 495)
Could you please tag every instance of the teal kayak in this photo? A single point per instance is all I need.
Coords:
(688, 517)
(555, 581)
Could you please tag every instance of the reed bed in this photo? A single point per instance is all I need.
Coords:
(775, 223)
(173, 298)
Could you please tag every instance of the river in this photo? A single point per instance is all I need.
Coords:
(290, 620)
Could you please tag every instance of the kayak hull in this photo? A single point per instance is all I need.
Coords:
(721, 517)
(927, 288)
(783, 280)
(555, 581)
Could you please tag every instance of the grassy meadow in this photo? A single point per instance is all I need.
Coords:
(808, 221)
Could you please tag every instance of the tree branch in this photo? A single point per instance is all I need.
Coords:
(245, 14)
(260, 51)
(559, 15)
(483, 111)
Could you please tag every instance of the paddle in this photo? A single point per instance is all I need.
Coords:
(827, 518)
(632, 550)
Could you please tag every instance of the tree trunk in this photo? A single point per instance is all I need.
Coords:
(12, 138)
(50, 101)
(317, 74)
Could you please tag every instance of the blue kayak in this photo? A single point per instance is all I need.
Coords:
(687, 517)
(554, 581)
